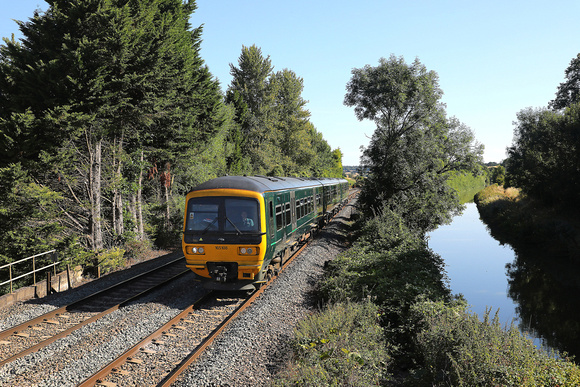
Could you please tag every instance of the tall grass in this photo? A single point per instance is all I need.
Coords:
(459, 349)
(340, 346)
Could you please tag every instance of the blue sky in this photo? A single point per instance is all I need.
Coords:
(494, 58)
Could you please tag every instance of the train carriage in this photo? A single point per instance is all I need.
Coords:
(239, 230)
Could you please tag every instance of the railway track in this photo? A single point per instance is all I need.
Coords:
(41, 331)
(160, 358)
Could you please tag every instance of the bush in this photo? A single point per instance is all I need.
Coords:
(135, 249)
(110, 260)
(340, 346)
(389, 263)
(460, 350)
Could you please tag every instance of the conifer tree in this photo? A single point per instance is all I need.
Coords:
(95, 92)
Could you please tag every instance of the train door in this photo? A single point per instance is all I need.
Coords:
(270, 214)
(280, 218)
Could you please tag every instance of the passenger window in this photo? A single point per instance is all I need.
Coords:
(279, 217)
(288, 217)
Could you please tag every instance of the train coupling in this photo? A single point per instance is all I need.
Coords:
(223, 272)
(220, 274)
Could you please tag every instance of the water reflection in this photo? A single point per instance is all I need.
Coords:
(536, 284)
(544, 280)
(475, 263)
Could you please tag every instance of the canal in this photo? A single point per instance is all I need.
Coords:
(475, 264)
(536, 286)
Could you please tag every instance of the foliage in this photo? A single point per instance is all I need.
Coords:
(460, 350)
(498, 175)
(414, 145)
(29, 214)
(393, 266)
(430, 338)
(387, 262)
(109, 105)
(341, 345)
(544, 159)
(166, 234)
(543, 277)
(569, 91)
(272, 133)
(111, 259)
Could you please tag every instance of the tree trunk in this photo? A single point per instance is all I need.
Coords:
(118, 227)
(140, 231)
(95, 197)
(166, 183)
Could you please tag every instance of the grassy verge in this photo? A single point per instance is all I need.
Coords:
(390, 319)
(466, 185)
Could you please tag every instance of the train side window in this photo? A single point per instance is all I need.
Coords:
(288, 216)
(279, 217)
(298, 209)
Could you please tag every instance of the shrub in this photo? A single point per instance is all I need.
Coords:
(460, 350)
(340, 346)
(134, 249)
(112, 259)
(389, 263)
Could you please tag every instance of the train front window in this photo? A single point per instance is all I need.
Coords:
(241, 215)
(210, 215)
(202, 214)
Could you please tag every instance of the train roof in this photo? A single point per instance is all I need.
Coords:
(265, 183)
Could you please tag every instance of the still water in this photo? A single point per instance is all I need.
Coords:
(538, 290)
(476, 264)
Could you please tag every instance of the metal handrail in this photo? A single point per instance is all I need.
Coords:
(34, 270)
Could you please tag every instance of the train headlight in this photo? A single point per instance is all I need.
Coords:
(248, 250)
(197, 250)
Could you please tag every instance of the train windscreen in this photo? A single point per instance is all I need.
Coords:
(223, 215)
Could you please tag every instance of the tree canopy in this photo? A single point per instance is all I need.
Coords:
(544, 158)
(273, 130)
(568, 92)
(96, 94)
(414, 145)
(108, 116)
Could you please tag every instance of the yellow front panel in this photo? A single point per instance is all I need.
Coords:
(250, 265)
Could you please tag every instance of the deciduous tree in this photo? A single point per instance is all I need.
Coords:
(414, 144)
(569, 91)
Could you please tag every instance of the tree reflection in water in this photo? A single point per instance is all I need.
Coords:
(544, 280)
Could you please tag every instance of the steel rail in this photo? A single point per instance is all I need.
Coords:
(174, 374)
(47, 316)
(123, 358)
(15, 329)
(198, 351)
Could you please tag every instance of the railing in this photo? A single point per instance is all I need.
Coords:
(34, 269)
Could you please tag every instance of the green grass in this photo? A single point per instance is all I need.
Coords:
(343, 345)
(466, 185)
